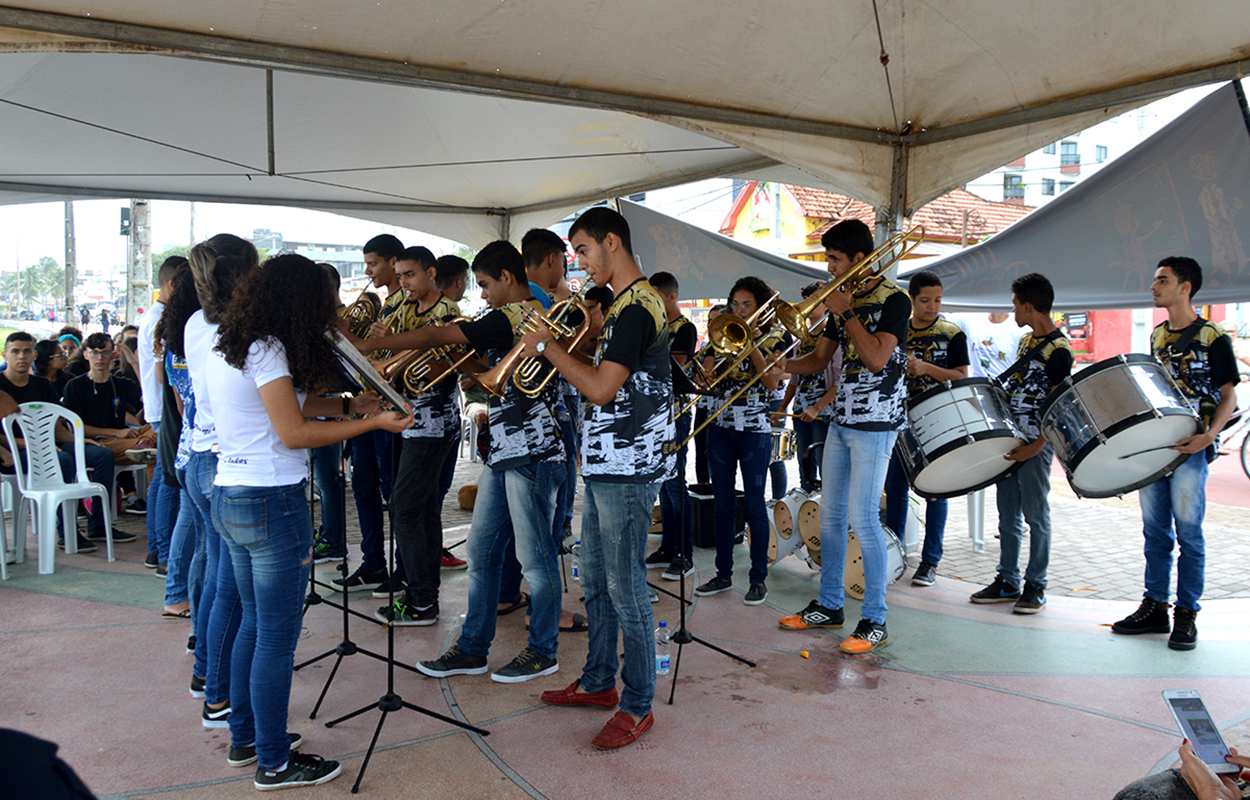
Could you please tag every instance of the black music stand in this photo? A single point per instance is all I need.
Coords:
(682, 636)
(391, 701)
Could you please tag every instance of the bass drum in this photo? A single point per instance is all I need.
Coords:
(1113, 425)
(853, 578)
(783, 537)
(957, 438)
(809, 529)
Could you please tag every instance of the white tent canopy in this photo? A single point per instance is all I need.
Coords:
(480, 118)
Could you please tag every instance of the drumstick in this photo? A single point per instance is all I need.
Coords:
(1151, 450)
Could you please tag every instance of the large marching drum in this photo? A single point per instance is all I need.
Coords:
(1113, 425)
(959, 433)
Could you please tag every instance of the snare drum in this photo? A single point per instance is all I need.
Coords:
(1113, 425)
(958, 436)
(783, 445)
(785, 512)
(853, 578)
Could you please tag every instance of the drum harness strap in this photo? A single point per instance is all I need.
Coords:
(1024, 360)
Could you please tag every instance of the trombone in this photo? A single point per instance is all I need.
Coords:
(531, 375)
(731, 338)
(793, 316)
(744, 388)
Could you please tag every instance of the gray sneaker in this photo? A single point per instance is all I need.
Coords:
(714, 586)
(526, 666)
(453, 662)
(755, 594)
(925, 575)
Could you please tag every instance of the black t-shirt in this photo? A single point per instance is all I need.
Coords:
(682, 336)
(103, 405)
(39, 390)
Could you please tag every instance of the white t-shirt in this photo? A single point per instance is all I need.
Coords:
(251, 452)
(152, 398)
(991, 345)
(199, 338)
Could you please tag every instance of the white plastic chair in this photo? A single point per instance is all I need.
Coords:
(13, 494)
(39, 477)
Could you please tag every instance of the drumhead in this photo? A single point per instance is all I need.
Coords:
(960, 467)
(1137, 452)
(1090, 371)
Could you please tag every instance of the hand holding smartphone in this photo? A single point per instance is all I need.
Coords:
(1196, 724)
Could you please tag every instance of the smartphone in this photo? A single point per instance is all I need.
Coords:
(1194, 721)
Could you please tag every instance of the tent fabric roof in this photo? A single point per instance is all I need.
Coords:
(482, 117)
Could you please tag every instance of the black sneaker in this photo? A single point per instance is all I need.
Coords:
(680, 566)
(453, 662)
(191, 645)
(925, 575)
(755, 594)
(151, 562)
(362, 580)
(135, 505)
(85, 545)
(162, 570)
(401, 615)
(324, 552)
(1184, 631)
(301, 770)
(119, 537)
(393, 583)
(867, 637)
(197, 684)
(660, 558)
(526, 666)
(242, 756)
(1032, 599)
(714, 586)
(216, 719)
(814, 616)
(1150, 617)
(997, 592)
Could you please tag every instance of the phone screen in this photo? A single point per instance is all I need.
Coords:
(1198, 728)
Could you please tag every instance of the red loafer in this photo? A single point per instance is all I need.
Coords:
(570, 696)
(621, 730)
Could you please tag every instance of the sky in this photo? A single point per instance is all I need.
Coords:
(28, 232)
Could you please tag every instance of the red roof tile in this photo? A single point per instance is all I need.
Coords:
(942, 218)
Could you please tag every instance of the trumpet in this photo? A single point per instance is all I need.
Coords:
(362, 312)
(793, 316)
(531, 375)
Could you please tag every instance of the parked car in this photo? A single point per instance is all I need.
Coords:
(26, 315)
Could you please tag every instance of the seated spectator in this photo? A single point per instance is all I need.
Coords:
(50, 363)
(1193, 781)
(104, 401)
(18, 382)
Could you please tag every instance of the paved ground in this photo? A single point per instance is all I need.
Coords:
(1058, 706)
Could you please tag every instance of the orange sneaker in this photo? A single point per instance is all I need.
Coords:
(867, 637)
(814, 616)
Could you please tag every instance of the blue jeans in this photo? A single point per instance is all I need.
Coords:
(777, 468)
(854, 475)
(187, 539)
(162, 504)
(896, 504)
(100, 461)
(371, 486)
(726, 449)
(1181, 498)
(325, 469)
(269, 534)
(809, 441)
(1023, 497)
(615, 520)
(217, 620)
(568, 490)
(676, 514)
(515, 503)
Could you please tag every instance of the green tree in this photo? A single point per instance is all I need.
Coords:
(159, 258)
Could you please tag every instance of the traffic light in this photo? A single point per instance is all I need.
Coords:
(125, 231)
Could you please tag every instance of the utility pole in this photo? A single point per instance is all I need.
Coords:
(192, 242)
(71, 261)
(139, 266)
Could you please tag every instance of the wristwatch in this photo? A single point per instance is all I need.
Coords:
(541, 347)
(847, 315)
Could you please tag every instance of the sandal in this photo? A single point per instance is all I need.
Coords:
(184, 614)
(579, 624)
(520, 602)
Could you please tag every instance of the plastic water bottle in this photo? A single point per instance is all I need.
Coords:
(575, 568)
(662, 656)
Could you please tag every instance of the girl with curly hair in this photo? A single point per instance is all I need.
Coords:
(50, 363)
(741, 436)
(271, 363)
